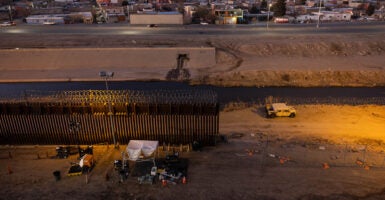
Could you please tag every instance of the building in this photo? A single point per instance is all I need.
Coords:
(74, 17)
(45, 19)
(229, 16)
(157, 18)
(335, 16)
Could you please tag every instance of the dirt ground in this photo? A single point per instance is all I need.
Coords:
(247, 167)
(263, 60)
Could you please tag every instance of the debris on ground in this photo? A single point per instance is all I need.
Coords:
(66, 151)
(146, 179)
(236, 135)
(363, 164)
(325, 166)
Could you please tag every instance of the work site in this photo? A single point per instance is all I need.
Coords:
(315, 154)
(114, 143)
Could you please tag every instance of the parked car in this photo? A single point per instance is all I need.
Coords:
(49, 23)
(7, 24)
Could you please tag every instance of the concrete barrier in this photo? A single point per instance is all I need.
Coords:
(85, 63)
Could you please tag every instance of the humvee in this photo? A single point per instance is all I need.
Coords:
(279, 110)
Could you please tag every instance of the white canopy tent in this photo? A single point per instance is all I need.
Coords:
(138, 148)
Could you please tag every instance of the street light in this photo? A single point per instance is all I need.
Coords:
(268, 16)
(319, 13)
(107, 75)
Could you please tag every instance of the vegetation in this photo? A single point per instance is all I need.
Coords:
(263, 5)
(279, 8)
(370, 10)
(204, 14)
(254, 10)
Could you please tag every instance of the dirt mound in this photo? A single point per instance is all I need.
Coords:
(299, 60)
(304, 61)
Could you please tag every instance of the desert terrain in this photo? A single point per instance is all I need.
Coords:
(248, 166)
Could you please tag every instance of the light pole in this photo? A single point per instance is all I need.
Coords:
(268, 16)
(107, 75)
(319, 13)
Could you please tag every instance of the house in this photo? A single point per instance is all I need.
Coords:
(307, 18)
(74, 17)
(335, 16)
(115, 13)
(356, 3)
(45, 19)
(379, 14)
(229, 16)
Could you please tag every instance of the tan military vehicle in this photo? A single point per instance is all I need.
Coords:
(279, 110)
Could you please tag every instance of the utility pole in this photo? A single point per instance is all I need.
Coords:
(10, 11)
(268, 16)
(319, 13)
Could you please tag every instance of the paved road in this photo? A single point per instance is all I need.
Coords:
(209, 30)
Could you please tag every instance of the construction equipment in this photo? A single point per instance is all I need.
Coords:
(278, 109)
(88, 150)
(85, 164)
(180, 73)
(66, 151)
(87, 161)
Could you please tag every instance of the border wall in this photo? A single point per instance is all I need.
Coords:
(171, 117)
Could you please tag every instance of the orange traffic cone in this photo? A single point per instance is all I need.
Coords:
(164, 183)
(184, 180)
(325, 166)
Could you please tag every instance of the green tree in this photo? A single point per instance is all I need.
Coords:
(370, 10)
(279, 8)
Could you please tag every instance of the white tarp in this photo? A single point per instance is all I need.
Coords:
(136, 148)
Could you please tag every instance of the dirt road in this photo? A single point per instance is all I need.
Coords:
(264, 159)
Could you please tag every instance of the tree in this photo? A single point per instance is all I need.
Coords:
(279, 8)
(370, 10)
(263, 5)
(254, 10)
(180, 6)
(203, 13)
